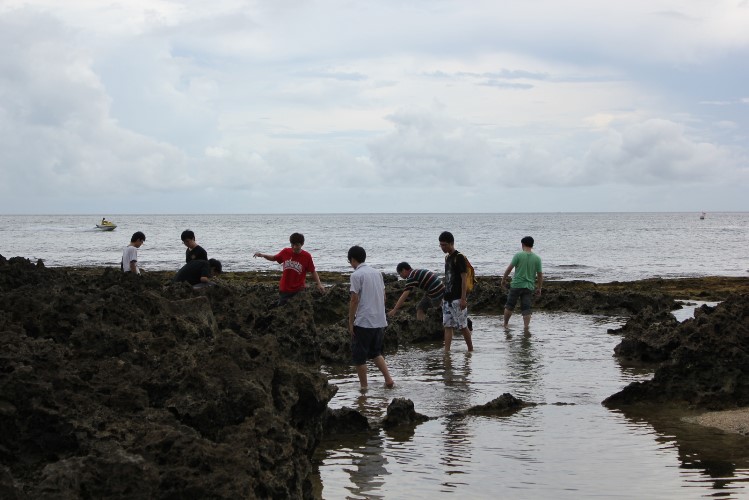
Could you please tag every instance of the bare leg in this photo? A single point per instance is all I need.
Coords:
(526, 320)
(361, 371)
(508, 314)
(467, 337)
(421, 315)
(448, 338)
(379, 362)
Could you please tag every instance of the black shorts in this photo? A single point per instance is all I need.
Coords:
(366, 343)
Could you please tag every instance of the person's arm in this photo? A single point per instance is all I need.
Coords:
(400, 302)
(353, 305)
(507, 273)
(266, 256)
(134, 266)
(316, 277)
(540, 282)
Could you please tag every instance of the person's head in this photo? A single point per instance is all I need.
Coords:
(297, 242)
(447, 241)
(356, 255)
(403, 269)
(188, 238)
(527, 242)
(138, 239)
(215, 266)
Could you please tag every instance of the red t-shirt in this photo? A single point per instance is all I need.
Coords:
(295, 268)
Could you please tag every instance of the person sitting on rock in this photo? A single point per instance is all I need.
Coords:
(199, 272)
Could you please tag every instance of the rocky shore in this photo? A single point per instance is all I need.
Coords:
(115, 385)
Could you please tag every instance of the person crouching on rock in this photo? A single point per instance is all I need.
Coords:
(199, 272)
(419, 278)
(296, 263)
(366, 317)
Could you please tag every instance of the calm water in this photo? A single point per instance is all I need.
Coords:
(575, 449)
(597, 247)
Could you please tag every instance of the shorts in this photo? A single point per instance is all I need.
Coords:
(525, 295)
(453, 316)
(284, 297)
(366, 343)
(428, 302)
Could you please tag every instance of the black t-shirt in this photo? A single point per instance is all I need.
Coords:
(197, 253)
(455, 265)
(193, 271)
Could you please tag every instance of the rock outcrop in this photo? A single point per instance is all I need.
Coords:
(704, 360)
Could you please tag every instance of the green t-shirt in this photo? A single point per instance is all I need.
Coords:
(527, 264)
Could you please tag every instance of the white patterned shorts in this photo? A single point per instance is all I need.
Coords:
(453, 316)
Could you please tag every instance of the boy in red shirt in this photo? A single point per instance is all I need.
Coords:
(296, 263)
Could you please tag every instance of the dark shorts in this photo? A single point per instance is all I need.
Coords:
(284, 297)
(427, 303)
(366, 343)
(524, 294)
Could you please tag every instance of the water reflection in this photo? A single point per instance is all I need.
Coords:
(523, 362)
(456, 436)
(573, 450)
(368, 472)
(708, 457)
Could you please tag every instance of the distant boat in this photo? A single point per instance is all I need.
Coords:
(702, 216)
(106, 225)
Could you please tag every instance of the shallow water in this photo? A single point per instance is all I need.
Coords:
(569, 446)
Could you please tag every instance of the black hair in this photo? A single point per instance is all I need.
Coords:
(215, 265)
(138, 235)
(357, 253)
(527, 241)
(400, 267)
(296, 238)
(187, 235)
(447, 237)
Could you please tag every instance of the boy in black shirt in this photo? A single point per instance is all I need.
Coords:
(454, 303)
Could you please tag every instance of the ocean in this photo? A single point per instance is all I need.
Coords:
(599, 247)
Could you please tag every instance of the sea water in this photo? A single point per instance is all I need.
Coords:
(592, 246)
(566, 446)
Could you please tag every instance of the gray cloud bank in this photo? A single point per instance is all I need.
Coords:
(177, 113)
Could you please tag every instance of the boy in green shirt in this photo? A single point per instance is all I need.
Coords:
(527, 273)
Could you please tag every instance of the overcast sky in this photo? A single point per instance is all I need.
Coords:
(288, 106)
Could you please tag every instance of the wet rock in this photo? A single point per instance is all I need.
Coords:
(708, 365)
(401, 412)
(345, 421)
(649, 337)
(506, 404)
(114, 385)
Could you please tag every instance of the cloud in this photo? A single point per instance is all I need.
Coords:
(229, 102)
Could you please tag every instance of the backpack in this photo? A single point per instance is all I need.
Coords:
(470, 274)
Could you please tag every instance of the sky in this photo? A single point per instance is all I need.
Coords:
(342, 106)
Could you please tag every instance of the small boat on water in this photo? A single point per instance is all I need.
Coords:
(702, 216)
(106, 225)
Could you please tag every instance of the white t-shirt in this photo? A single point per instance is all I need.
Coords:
(369, 284)
(129, 255)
